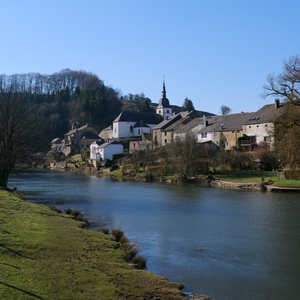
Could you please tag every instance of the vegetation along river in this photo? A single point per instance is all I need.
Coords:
(227, 244)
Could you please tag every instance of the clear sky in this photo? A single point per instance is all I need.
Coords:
(214, 52)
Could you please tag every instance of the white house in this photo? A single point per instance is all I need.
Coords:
(133, 124)
(100, 151)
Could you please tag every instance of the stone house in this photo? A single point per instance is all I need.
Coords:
(78, 138)
(259, 128)
(229, 126)
(164, 132)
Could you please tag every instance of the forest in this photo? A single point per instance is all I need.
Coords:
(68, 96)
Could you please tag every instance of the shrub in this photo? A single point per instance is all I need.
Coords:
(124, 239)
(130, 250)
(114, 167)
(117, 234)
(76, 214)
(139, 261)
(55, 208)
(105, 230)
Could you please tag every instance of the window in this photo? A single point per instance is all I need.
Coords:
(204, 135)
(249, 126)
(139, 131)
(166, 141)
(165, 133)
(215, 134)
(159, 111)
(131, 128)
(267, 139)
(167, 111)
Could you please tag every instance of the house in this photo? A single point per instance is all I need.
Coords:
(259, 128)
(132, 124)
(227, 127)
(145, 143)
(79, 138)
(56, 145)
(106, 133)
(163, 133)
(100, 151)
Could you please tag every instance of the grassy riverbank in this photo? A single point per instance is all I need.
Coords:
(47, 255)
(274, 180)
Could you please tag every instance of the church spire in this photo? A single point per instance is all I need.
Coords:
(164, 93)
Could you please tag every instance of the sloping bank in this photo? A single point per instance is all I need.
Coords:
(47, 255)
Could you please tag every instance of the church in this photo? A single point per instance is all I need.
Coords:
(136, 125)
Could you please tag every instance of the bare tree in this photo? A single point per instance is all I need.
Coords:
(287, 84)
(225, 110)
(21, 135)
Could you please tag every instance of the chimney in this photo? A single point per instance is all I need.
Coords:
(277, 103)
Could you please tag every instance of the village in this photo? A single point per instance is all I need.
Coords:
(150, 131)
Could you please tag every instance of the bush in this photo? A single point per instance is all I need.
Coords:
(139, 261)
(55, 208)
(117, 234)
(114, 167)
(292, 174)
(105, 230)
(130, 250)
(76, 214)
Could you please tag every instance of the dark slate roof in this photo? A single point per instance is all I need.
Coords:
(128, 116)
(191, 124)
(165, 123)
(226, 122)
(140, 124)
(267, 114)
(90, 135)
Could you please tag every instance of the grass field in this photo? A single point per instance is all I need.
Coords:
(47, 255)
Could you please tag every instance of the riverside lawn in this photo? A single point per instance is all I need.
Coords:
(47, 255)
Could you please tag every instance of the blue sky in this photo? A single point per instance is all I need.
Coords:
(214, 52)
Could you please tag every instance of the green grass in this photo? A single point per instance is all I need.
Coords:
(47, 255)
(277, 181)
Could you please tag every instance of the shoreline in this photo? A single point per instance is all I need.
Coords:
(215, 182)
(59, 247)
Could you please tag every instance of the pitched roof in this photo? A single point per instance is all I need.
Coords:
(128, 116)
(140, 124)
(114, 142)
(90, 135)
(226, 122)
(79, 129)
(267, 114)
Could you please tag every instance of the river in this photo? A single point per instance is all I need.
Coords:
(227, 244)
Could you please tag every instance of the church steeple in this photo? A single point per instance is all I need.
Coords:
(164, 102)
(164, 107)
(164, 93)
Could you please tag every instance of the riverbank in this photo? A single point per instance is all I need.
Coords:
(48, 255)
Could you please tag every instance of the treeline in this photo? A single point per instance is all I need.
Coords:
(70, 96)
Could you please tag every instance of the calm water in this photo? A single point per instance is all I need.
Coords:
(251, 239)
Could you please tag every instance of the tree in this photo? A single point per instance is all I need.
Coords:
(187, 105)
(225, 110)
(21, 136)
(185, 153)
(286, 86)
